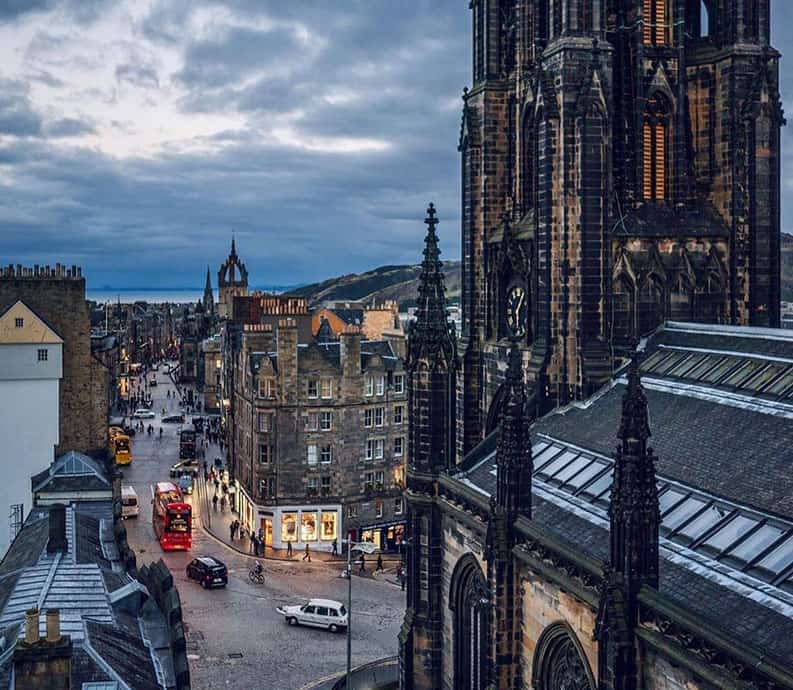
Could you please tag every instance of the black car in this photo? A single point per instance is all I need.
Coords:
(188, 466)
(173, 419)
(210, 572)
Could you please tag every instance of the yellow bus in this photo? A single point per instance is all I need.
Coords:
(121, 445)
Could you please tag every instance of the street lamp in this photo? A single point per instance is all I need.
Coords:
(364, 547)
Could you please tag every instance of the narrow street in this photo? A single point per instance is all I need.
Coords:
(235, 637)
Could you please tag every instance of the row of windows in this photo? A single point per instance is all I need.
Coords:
(377, 416)
(750, 542)
(323, 388)
(399, 507)
(323, 453)
(375, 385)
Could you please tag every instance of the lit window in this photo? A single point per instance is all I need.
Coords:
(325, 420)
(399, 476)
(19, 322)
(655, 138)
(398, 412)
(367, 417)
(379, 416)
(267, 388)
(656, 22)
(399, 383)
(313, 388)
(326, 454)
(399, 444)
(42, 355)
(380, 385)
(327, 388)
(312, 454)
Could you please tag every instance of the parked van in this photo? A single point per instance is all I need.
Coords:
(129, 502)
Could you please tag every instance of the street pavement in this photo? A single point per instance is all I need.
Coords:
(235, 637)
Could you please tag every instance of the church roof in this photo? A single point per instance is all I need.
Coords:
(663, 220)
(720, 405)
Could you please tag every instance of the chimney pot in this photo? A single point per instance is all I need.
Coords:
(32, 626)
(53, 625)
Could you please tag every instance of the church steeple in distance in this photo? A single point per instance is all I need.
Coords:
(209, 299)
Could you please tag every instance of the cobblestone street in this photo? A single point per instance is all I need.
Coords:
(235, 637)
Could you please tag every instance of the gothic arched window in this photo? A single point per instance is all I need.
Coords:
(622, 309)
(529, 163)
(655, 141)
(470, 602)
(559, 663)
(657, 22)
(651, 304)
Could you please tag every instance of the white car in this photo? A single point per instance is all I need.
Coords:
(321, 613)
(143, 413)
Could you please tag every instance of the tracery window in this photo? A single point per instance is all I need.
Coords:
(655, 136)
(470, 603)
(558, 662)
(657, 22)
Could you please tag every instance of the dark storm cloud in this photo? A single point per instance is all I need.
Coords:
(68, 127)
(17, 116)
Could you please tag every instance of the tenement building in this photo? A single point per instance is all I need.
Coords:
(318, 437)
(620, 167)
(55, 299)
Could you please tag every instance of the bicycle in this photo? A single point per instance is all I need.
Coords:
(256, 577)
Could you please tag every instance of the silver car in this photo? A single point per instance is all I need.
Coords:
(319, 613)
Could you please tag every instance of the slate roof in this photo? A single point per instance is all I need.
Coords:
(723, 445)
(107, 640)
(332, 352)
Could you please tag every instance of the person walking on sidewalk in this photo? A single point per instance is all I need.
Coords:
(362, 568)
(289, 549)
(379, 563)
(231, 530)
(307, 555)
(335, 551)
(215, 502)
(222, 504)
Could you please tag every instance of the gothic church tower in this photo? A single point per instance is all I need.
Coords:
(620, 164)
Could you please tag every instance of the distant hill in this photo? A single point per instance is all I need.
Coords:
(399, 283)
(787, 267)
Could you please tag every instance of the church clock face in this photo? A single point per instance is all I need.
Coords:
(516, 310)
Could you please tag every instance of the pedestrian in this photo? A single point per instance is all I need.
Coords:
(362, 568)
(307, 554)
(289, 549)
(215, 501)
(254, 545)
(335, 551)
(217, 483)
(379, 563)
(222, 504)
(402, 578)
(231, 531)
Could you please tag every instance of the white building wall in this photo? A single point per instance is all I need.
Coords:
(29, 425)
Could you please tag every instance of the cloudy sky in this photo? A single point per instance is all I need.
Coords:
(135, 135)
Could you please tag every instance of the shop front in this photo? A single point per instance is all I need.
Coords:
(317, 526)
(386, 536)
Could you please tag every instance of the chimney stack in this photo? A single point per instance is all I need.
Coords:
(32, 626)
(350, 356)
(43, 663)
(53, 625)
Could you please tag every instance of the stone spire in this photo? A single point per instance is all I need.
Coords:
(513, 457)
(634, 511)
(233, 247)
(430, 337)
(209, 299)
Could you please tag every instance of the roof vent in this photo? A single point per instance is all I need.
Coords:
(57, 540)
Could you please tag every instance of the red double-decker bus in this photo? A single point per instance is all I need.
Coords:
(172, 518)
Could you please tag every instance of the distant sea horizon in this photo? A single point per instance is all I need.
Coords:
(173, 295)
